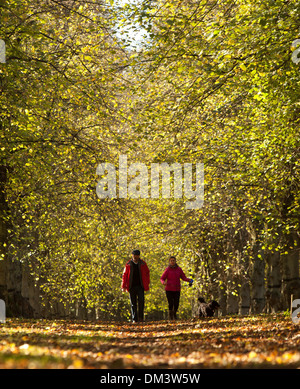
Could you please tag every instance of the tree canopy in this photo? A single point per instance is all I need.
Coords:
(211, 82)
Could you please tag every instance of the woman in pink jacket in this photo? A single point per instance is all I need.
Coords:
(171, 279)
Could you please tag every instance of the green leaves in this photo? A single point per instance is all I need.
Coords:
(211, 83)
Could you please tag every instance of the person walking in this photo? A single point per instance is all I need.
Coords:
(136, 280)
(171, 279)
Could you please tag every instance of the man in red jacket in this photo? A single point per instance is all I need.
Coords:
(136, 280)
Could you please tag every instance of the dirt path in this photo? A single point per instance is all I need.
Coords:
(264, 341)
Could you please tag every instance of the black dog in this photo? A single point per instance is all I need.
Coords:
(207, 309)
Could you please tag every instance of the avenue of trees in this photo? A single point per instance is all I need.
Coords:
(211, 82)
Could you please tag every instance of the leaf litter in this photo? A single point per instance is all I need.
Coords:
(261, 341)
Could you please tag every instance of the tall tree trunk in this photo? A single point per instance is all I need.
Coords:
(14, 275)
(290, 270)
(245, 298)
(232, 303)
(245, 289)
(222, 300)
(3, 234)
(257, 281)
(273, 293)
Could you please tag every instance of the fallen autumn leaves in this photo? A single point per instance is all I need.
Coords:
(263, 341)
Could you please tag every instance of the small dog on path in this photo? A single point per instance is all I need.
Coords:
(207, 309)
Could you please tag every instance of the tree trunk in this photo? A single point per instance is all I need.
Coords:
(232, 302)
(222, 300)
(257, 282)
(3, 234)
(273, 293)
(290, 270)
(30, 292)
(245, 298)
(17, 288)
(245, 290)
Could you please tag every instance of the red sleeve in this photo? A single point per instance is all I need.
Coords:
(147, 276)
(125, 278)
(164, 276)
(183, 276)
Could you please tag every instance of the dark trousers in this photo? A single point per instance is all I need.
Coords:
(137, 301)
(173, 300)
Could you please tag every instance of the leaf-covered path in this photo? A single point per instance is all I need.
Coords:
(264, 341)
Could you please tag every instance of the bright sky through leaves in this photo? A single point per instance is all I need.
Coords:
(132, 32)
